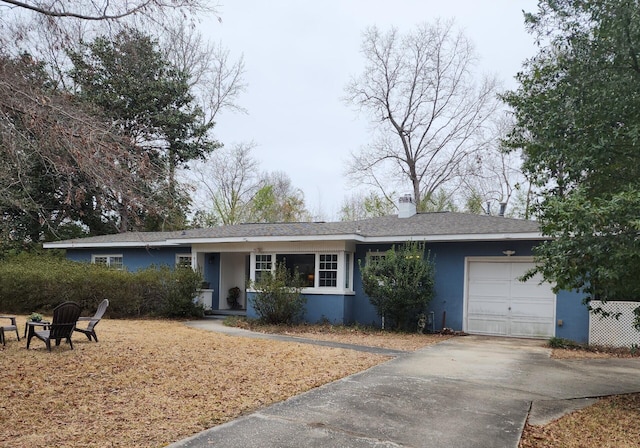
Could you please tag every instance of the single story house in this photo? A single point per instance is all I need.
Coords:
(478, 262)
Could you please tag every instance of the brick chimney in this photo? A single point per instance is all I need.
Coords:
(406, 206)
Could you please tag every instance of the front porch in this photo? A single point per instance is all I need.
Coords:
(223, 272)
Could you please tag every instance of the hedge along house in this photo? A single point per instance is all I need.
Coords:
(478, 262)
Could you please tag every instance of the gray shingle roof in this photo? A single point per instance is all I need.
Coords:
(447, 225)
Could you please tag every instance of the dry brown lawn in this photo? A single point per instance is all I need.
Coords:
(149, 383)
(613, 422)
(368, 336)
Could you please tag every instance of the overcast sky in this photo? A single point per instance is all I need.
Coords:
(299, 55)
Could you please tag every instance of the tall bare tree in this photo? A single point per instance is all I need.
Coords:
(498, 184)
(427, 111)
(227, 182)
(103, 10)
(232, 190)
(216, 80)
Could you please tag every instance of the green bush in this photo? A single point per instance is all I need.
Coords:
(278, 299)
(400, 284)
(31, 283)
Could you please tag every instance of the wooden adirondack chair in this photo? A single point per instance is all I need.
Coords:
(90, 331)
(64, 321)
(4, 328)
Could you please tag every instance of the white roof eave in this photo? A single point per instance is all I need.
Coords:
(460, 237)
(291, 238)
(107, 245)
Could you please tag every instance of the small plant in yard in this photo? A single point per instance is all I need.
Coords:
(555, 342)
(278, 298)
(35, 317)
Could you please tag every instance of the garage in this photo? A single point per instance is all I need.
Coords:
(499, 304)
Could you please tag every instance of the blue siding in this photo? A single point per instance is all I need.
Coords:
(319, 308)
(447, 304)
(133, 258)
(363, 312)
(574, 315)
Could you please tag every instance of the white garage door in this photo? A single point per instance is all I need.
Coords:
(500, 304)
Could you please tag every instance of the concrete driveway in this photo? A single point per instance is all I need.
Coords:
(465, 392)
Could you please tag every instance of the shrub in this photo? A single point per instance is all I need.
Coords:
(40, 282)
(400, 284)
(278, 299)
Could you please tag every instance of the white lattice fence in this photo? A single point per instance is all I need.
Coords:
(611, 331)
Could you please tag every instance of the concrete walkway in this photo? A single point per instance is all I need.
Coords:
(465, 392)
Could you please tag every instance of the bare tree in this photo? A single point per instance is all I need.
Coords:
(228, 181)
(427, 111)
(46, 28)
(215, 79)
(498, 184)
(231, 190)
(96, 10)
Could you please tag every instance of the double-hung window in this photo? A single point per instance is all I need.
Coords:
(183, 260)
(263, 264)
(314, 270)
(112, 261)
(328, 270)
(375, 257)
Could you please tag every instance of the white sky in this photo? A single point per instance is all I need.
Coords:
(299, 55)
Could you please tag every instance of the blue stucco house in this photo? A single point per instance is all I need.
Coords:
(478, 261)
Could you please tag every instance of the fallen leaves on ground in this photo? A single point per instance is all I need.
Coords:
(610, 423)
(356, 335)
(149, 383)
(602, 353)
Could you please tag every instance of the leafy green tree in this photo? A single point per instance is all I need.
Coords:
(149, 99)
(363, 206)
(439, 201)
(277, 200)
(400, 284)
(229, 183)
(577, 111)
(278, 298)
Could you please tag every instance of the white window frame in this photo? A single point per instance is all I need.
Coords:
(320, 269)
(344, 274)
(348, 271)
(254, 267)
(109, 260)
(181, 258)
(374, 257)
